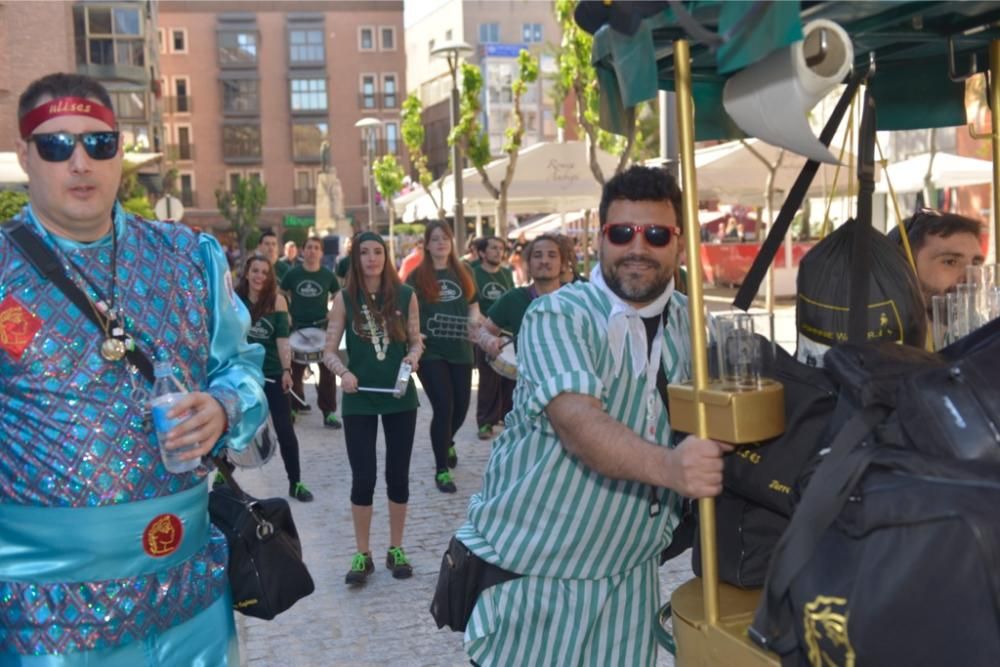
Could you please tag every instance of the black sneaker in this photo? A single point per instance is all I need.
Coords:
(361, 567)
(452, 457)
(300, 492)
(397, 561)
(445, 482)
(301, 407)
(331, 421)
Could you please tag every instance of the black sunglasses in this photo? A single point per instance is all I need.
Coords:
(657, 236)
(59, 146)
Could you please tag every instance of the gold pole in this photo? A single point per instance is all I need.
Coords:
(699, 343)
(995, 114)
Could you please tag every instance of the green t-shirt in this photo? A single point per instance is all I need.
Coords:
(369, 369)
(266, 331)
(508, 312)
(445, 339)
(310, 292)
(492, 286)
(343, 266)
(281, 268)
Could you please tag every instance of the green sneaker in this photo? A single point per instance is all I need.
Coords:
(445, 482)
(452, 457)
(361, 567)
(331, 421)
(218, 480)
(397, 561)
(485, 432)
(300, 492)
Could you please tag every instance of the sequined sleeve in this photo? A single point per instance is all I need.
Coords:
(235, 377)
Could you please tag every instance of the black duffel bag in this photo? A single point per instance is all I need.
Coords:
(266, 571)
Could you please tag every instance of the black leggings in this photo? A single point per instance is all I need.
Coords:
(448, 387)
(281, 416)
(360, 433)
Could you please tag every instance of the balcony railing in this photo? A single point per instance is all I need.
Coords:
(180, 151)
(188, 198)
(369, 101)
(382, 147)
(181, 104)
(304, 197)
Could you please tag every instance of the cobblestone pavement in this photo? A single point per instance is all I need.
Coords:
(385, 622)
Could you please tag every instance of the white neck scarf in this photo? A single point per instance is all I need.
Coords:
(625, 323)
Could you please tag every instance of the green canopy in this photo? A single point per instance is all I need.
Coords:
(915, 85)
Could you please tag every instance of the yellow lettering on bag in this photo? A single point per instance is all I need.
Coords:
(775, 485)
(824, 628)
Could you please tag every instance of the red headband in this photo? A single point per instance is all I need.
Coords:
(65, 106)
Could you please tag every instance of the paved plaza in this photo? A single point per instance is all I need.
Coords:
(385, 622)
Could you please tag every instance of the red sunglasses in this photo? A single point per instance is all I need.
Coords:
(657, 236)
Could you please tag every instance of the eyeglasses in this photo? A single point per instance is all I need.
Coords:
(657, 236)
(59, 146)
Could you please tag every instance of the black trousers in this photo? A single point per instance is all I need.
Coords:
(326, 390)
(360, 434)
(281, 417)
(496, 393)
(448, 387)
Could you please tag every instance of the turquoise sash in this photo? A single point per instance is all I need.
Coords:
(67, 544)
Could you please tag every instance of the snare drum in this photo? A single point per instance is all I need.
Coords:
(259, 451)
(307, 345)
(505, 363)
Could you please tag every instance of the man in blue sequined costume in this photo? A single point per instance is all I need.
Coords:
(105, 557)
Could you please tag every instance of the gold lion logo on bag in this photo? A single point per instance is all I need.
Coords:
(824, 625)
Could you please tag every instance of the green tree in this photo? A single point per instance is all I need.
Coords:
(473, 139)
(11, 203)
(134, 198)
(389, 175)
(413, 136)
(242, 208)
(576, 74)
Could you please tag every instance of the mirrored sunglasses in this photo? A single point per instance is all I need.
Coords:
(656, 235)
(59, 146)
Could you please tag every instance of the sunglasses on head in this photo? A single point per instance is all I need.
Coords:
(59, 146)
(657, 236)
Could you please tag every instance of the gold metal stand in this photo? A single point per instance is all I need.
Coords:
(706, 633)
(734, 415)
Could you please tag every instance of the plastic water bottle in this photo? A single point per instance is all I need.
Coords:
(167, 391)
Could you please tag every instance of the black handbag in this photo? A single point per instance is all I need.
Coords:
(266, 571)
(462, 578)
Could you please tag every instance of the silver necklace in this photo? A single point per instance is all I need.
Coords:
(380, 343)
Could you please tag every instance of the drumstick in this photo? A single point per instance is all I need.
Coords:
(297, 397)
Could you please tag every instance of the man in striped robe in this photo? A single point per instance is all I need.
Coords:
(582, 490)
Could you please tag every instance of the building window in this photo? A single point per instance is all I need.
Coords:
(255, 177)
(392, 138)
(388, 38)
(234, 180)
(308, 94)
(182, 97)
(109, 36)
(366, 38)
(499, 82)
(186, 185)
(178, 40)
(237, 48)
(489, 33)
(129, 104)
(184, 150)
(305, 46)
(307, 140)
(241, 141)
(305, 193)
(390, 97)
(368, 91)
(239, 96)
(531, 32)
(135, 137)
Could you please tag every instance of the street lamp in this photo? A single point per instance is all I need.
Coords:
(368, 126)
(452, 51)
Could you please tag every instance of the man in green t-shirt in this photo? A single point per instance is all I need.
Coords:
(310, 287)
(289, 259)
(492, 281)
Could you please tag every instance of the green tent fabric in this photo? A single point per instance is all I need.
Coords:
(910, 41)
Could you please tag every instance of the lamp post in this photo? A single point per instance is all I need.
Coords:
(452, 51)
(368, 126)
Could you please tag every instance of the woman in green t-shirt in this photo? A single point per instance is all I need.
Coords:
(447, 295)
(381, 320)
(269, 315)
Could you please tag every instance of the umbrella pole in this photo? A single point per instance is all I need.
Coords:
(995, 116)
(699, 347)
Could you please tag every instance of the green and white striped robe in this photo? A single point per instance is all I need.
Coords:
(586, 544)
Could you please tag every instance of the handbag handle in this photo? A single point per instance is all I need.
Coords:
(44, 260)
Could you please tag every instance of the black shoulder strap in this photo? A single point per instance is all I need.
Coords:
(47, 264)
